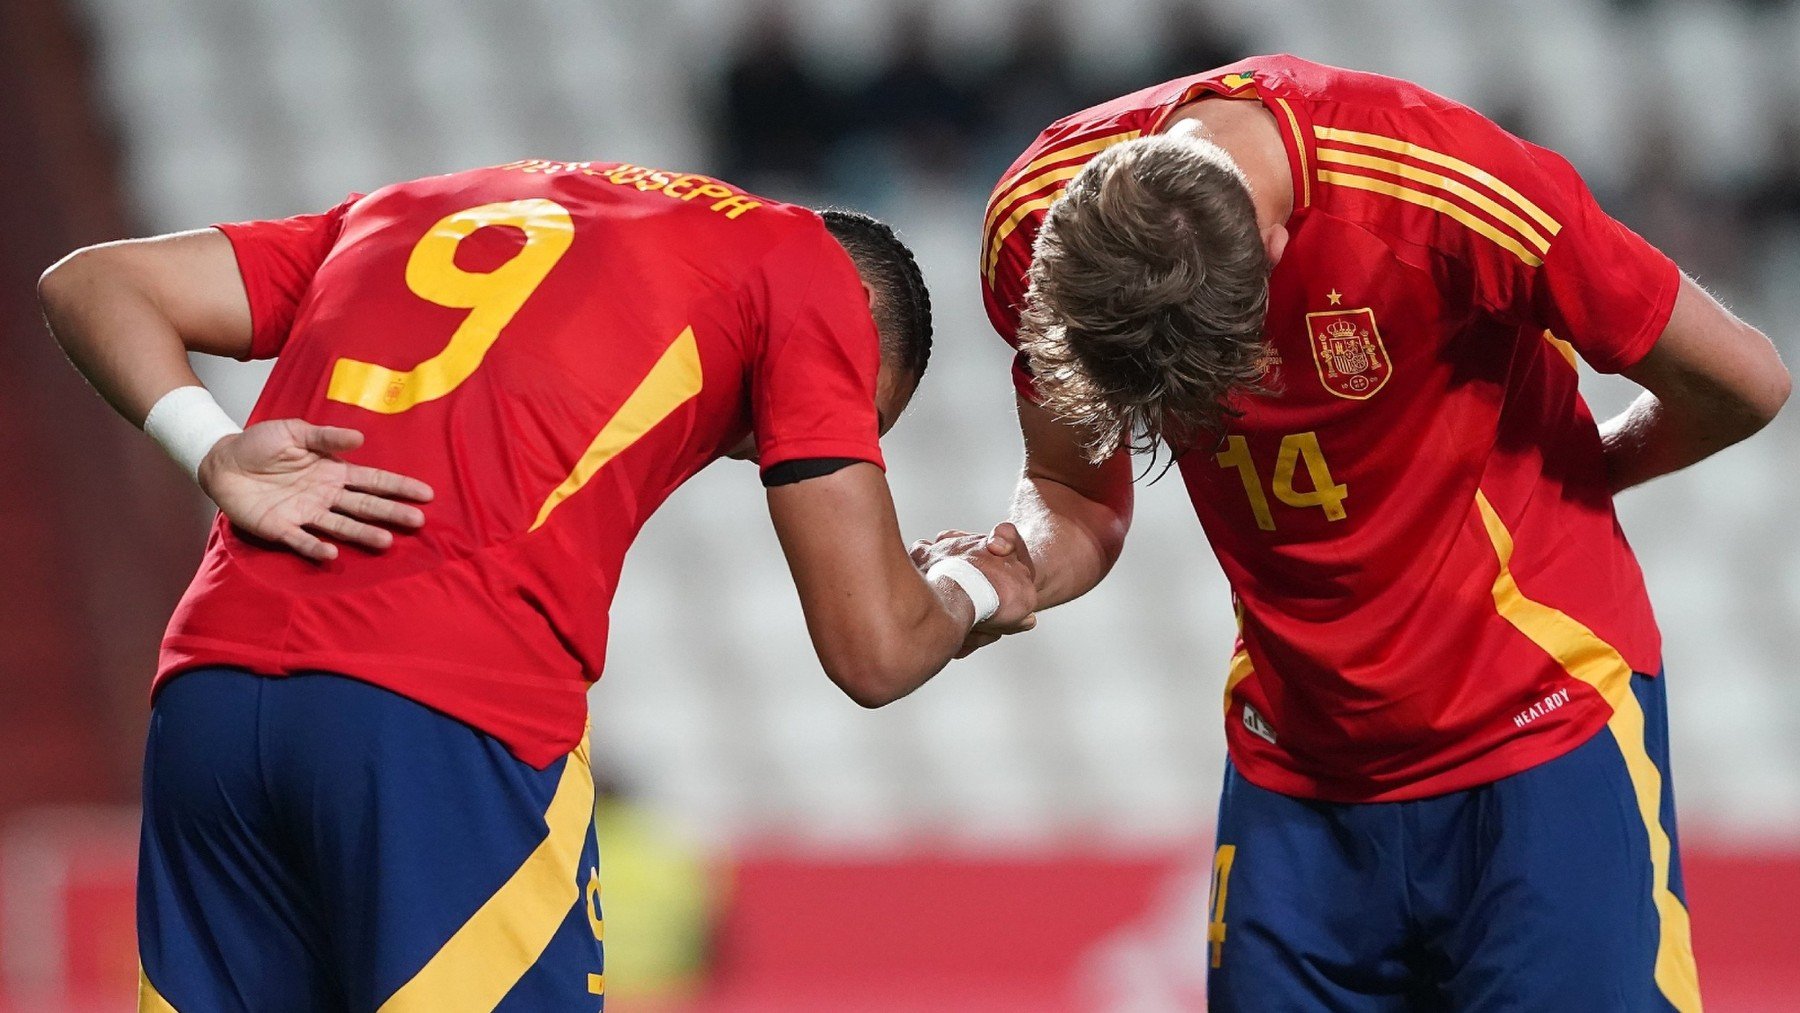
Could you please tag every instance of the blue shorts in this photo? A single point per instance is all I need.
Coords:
(1555, 889)
(314, 843)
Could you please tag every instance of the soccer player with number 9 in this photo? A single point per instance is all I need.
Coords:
(367, 782)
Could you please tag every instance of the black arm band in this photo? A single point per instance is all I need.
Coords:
(789, 472)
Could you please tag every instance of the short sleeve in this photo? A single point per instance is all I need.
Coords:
(1603, 288)
(277, 260)
(1005, 276)
(1543, 252)
(812, 392)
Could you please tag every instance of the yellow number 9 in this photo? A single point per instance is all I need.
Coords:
(492, 298)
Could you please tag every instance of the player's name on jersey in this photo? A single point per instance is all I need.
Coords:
(727, 200)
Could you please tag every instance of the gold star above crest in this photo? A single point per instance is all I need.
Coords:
(1335, 296)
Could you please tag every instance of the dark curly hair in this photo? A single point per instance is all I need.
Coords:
(1149, 284)
(902, 303)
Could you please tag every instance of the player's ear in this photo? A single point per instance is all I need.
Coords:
(1275, 240)
(869, 293)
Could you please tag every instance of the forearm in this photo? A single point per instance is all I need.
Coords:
(1710, 380)
(915, 643)
(1074, 540)
(115, 335)
(880, 627)
(1658, 435)
(880, 651)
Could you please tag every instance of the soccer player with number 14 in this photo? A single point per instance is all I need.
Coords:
(1353, 309)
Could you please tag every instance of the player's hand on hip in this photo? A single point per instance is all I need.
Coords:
(283, 481)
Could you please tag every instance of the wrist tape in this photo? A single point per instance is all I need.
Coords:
(973, 582)
(187, 422)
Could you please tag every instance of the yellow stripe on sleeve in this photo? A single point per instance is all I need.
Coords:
(488, 955)
(1432, 179)
(1435, 203)
(1438, 158)
(1010, 187)
(1597, 663)
(1042, 180)
(1012, 222)
(1005, 227)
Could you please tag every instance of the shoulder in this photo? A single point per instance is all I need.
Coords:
(1060, 149)
(1423, 169)
(792, 242)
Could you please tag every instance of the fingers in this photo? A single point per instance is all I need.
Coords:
(949, 542)
(920, 552)
(315, 549)
(975, 641)
(330, 440)
(387, 483)
(1000, 628)
(1005, 540)
(363, 506)
(1012, 577)
(353, 531)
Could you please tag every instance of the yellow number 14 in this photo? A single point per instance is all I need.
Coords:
(1325, 494)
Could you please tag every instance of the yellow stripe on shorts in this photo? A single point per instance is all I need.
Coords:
(149, 999)
(485, 958)
(1592, 660)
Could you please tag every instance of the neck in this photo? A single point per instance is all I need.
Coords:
(1249, 134)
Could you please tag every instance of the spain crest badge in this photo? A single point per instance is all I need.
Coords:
(1347, 349)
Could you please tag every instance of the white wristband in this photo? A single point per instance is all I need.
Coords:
(187, 422)
(973, 582)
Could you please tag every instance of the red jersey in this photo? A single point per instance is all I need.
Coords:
(554, 347)
(1434, 592)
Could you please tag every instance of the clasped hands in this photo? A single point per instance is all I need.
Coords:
(1003, 558)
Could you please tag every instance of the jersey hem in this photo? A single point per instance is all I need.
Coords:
(426, 684)
(1658, 321)
(241, 254)
(794, 450)
(1497, 764)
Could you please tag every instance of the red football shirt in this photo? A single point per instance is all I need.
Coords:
(554, 347)
(1434, 592)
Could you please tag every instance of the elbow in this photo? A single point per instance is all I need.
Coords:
(1781, 384)
(54, 284)
(870, 695)
(60, 284)
(1761, 401)
(870, 676)
(1110, 534)
(869, 685)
